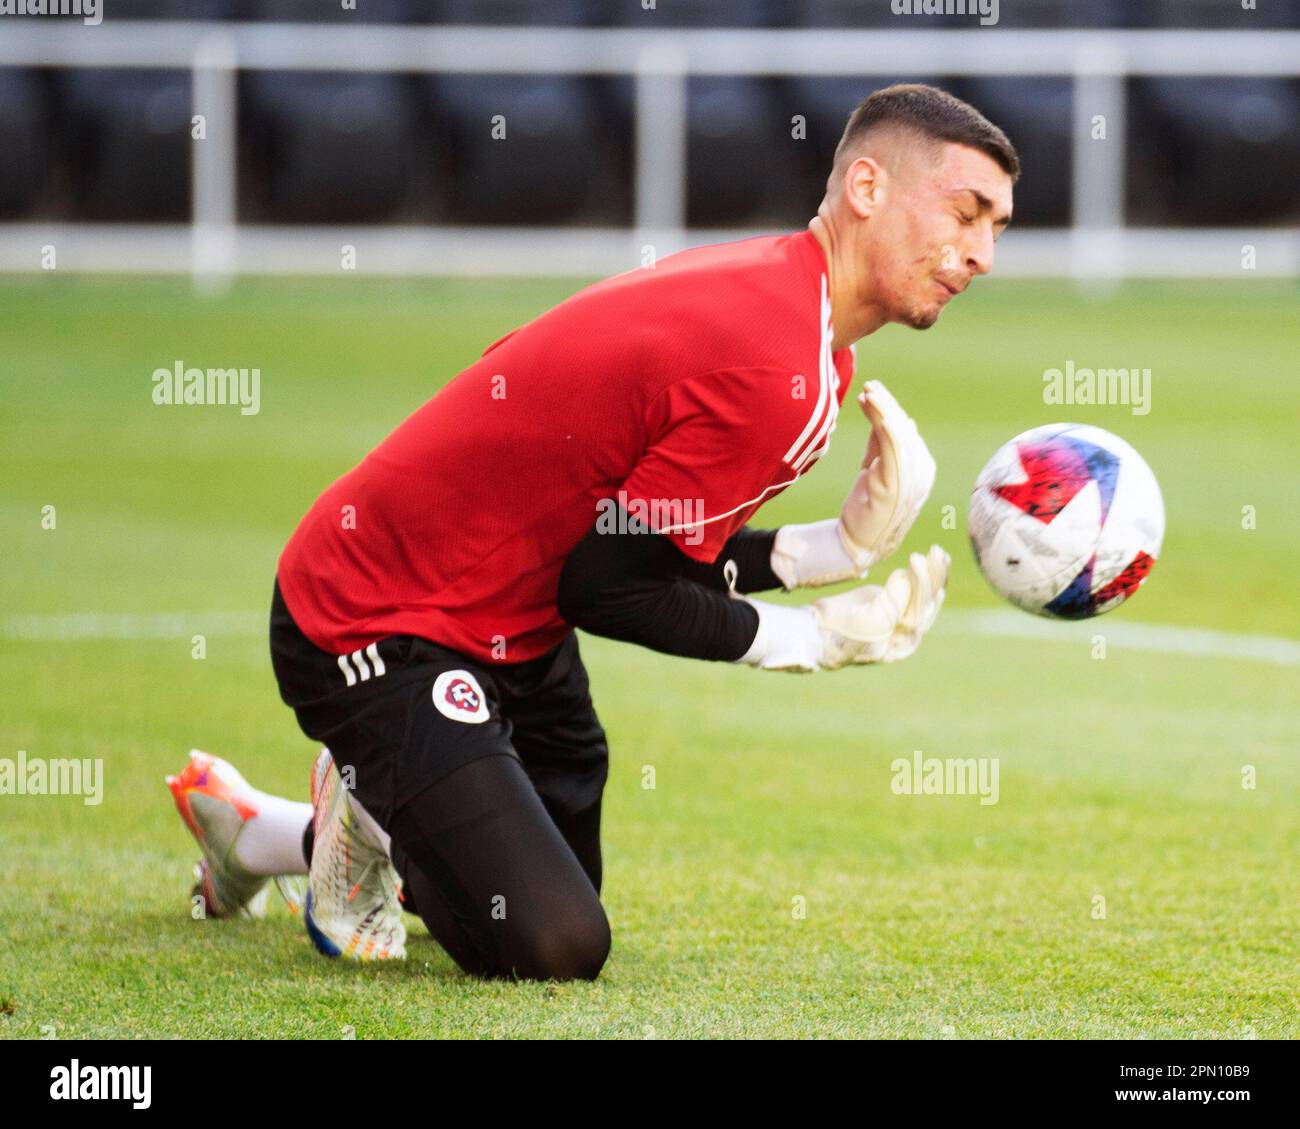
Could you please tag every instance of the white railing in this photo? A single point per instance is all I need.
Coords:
(214, 246)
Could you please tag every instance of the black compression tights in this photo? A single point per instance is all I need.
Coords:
(496, 882)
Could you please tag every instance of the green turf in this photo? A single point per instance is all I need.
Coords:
(927, 916)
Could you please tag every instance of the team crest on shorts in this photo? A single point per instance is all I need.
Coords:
(457, 695)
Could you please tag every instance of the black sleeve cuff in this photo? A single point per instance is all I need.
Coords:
(638, 587)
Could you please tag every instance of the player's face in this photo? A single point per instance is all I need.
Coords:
(935, 231)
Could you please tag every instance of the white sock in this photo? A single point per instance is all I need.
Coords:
(271, 842)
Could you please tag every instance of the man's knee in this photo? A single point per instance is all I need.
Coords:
(572, 948)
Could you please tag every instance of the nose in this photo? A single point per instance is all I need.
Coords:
(979, 256)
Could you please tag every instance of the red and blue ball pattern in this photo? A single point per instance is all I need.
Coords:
(1056, 469)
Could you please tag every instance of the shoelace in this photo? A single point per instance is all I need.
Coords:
(391, 895)
(380, 938)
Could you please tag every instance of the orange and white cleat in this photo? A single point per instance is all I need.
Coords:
(353, 905)
(210, 795)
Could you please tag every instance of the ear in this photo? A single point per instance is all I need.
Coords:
(864, 186)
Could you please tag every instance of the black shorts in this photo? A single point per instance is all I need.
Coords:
(404, 712)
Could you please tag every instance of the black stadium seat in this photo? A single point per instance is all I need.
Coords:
(738, 168)
(1037, 114)
(1059, 14)
(331, 11)
(24, 125)
(1172, 14)
(324, 147)
(511, 13)
(1214, 150)
(849, 14)
(1219, 151)
(695, 13)
(176, 9)
(557, 160)
(552, 162)
(125, 143)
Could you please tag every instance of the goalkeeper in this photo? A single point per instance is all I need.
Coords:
(597, 468)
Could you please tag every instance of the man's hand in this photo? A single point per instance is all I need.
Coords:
(892, 486)
(875, 624)
(871, 624)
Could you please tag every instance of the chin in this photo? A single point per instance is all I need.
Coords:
(922, 318)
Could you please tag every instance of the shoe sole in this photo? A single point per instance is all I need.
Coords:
(209, 862)
(323, 944)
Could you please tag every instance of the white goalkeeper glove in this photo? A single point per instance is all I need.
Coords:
(871, 624)
(896, 478)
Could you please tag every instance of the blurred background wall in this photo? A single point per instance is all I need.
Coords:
(89, 146)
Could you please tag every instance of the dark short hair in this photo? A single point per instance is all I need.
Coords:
(932, 113)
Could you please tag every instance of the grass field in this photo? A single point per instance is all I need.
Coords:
(926, 916)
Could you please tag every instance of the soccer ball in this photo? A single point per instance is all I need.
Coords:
(1066, 520)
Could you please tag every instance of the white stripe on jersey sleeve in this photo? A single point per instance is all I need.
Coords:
(830, 380)
(823, 390)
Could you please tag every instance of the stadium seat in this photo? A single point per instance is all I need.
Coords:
(126, 143)
(23, 133)
(1037, 115)
(553, 163)
(739, 172)
(326, 147)
(557, 160)
(1021, 13)
(176, 9)
(1219, 151)
(1190, 14)
(845, 14)
(1061, 14)
(696, 13)
(511, 13)
(332, 11)
(739, 165)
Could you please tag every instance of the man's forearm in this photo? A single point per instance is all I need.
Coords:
(639, 588)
